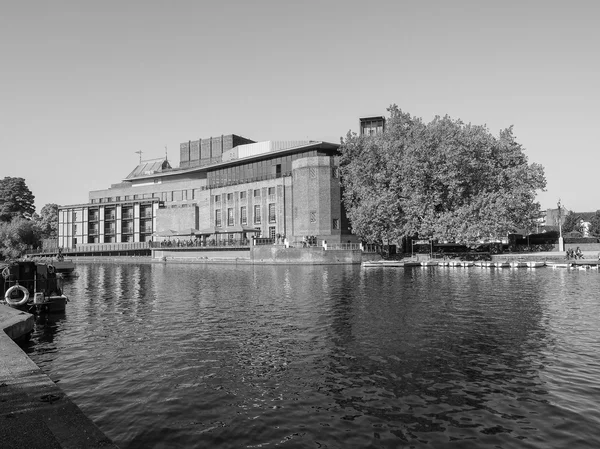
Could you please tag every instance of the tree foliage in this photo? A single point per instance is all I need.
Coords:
(594, 228)
(16, 236)
(47, 221)
(16, 200)
(444, 179)
(571, 222)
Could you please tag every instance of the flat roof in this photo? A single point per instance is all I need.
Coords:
(266, 155)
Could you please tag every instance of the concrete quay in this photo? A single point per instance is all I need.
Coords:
(34, 412)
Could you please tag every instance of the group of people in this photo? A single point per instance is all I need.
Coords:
(574, 254)
(179, 243)
(197, 242)
(309, 240)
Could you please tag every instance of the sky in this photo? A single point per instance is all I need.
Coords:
(85, 85)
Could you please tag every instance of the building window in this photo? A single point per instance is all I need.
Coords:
(218, 218)
(243, 215)
(256, 193)
(109, 214)
(312, 172)
(74, 216)
(230, 197)
(336, 223)
(217, 198)
(272, 232)
(74, 229)
(242, 195)
(257, 214)
(272, 213)
(313, 216)
(230, 221)
(271, 191)
(336, 172)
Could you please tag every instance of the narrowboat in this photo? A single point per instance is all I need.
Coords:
(32, 287)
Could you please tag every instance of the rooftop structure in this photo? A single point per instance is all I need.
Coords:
(373, 124)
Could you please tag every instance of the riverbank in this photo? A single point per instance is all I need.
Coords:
(36, 413)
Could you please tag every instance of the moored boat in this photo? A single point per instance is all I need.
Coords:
(64, 267)
(429, 263)
(518, 264)
(561, 265)
(32, 287)
(536, 264)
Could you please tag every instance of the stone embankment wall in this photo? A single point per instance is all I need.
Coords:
(310, 256)
(267, 254)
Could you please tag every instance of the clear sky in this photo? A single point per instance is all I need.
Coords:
(86, 84)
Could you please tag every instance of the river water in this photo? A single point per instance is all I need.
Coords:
(219, 356)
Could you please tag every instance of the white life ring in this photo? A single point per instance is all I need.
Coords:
(8, 299)
(51, 269)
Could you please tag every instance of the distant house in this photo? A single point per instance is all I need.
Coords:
(585, 221)
(551, 221)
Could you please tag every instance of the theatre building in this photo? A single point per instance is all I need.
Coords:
(226, 188)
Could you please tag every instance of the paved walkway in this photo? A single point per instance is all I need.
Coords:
(34, 412)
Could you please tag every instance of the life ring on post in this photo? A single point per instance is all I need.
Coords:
(51, 269)
(6, 272)
(9, 292)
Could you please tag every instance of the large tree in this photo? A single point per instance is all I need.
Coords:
(16, 200)
(16, 236)
(445, 179)
(47, 221)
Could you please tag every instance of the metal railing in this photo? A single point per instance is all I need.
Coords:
(263, 241)
(344, 246)
(212, 243)
(92, 248)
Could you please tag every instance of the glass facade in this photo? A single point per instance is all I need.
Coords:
(259, 170)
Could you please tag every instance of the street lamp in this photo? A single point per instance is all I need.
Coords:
(561, 244)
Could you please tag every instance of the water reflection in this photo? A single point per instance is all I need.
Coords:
(223, 356)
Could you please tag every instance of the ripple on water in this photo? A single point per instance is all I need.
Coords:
(223, 356)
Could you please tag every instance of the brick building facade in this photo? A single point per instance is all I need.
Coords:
(225, 188)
